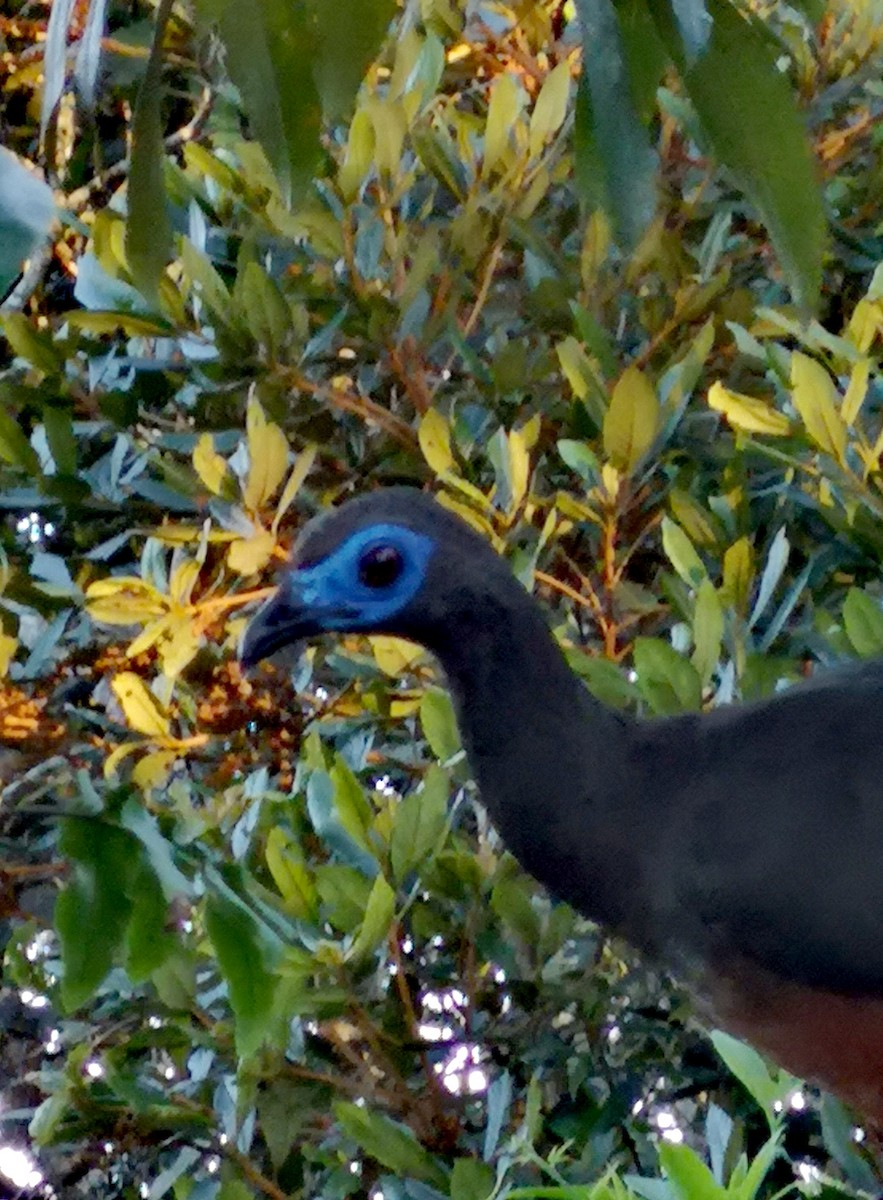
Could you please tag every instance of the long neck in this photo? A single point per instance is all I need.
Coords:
(551, 762)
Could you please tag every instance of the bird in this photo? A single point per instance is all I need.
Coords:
(741, 847)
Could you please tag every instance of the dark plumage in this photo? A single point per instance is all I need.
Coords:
(742, 847)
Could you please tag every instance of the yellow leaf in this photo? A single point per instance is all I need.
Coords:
(299, 472)
(394, 655)
(114, 759)
(267, 457)
(856, 392)
(814, 396)
(148, 637)
(152, 770)
(178, 646)
(8, 647)
(738, 573)
(503, 110)
(208, 464)
(404, 708)
(182, 581)
(631, 421)
(747, 412)
(435, 441)
(551, 107)
(519, 467)
(140, 707)
(247, 556)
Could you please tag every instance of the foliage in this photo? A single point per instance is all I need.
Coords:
(259, 936)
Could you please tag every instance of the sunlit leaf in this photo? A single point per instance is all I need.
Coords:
(140, 707)
(747, 412)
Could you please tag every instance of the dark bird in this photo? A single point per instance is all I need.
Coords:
(741, 847)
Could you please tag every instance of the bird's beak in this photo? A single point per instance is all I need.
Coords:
(283, 620)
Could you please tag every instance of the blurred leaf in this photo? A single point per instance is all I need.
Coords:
(345, 48)
(752, 1072)
(267, 458)
(210, 466)
(27, 210)
(391, 1144)
(271, 49)
(420, 819)
(439, 724)
(688, 1176)
(247, 962)
(667, 681)
(747, 412)
(141, 708)
(748, 111)
(815, 398)
(682, 555)
(631, 421)
(377, 919)
(471, 1180)
(291, 876)
(607, 124)
(504, 106)
(93, 909)
(550, 108)
(708, 630)
(863, 621)
(435, 441)
(148, 227)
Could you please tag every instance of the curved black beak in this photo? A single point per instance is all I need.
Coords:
(283, 620)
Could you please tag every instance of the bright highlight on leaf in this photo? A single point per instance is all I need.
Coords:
(140, 707)
(747, 413)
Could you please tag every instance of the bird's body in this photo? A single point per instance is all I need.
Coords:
(741, 847)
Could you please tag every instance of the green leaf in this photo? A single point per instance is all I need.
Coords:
(148, 942)
(353, 810)
(27, 210)
(439, 724)
(148, 227)
(609, 130)
(271, 48)
(708, 630)
(688, 1176)
(420, 820)
(58, 424)
(35, 346)
(511, 901)
(391, 1144)
(345, 48)
(247, 960)
(631, 421)
(471, 1179)
(262, 308)
(667, 681)
(15, 448)
(291, 876)
(863, 621)
(93, 911)
(681, 554)
(752, 1072)
(377, 920)
(748, 111)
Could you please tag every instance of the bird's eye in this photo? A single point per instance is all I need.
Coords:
(380, 566)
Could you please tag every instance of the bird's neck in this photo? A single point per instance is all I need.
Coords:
(549, 759)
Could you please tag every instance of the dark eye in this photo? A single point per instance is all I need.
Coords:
(380, 566)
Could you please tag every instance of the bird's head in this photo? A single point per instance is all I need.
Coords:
(393, 561)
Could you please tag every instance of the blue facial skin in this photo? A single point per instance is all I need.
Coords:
(338, 599)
